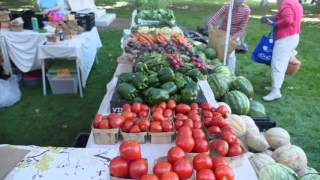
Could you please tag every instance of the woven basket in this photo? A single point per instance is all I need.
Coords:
(293, 66)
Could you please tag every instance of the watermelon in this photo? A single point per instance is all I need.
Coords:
(223, 70)
(210, 53)
(244, 85)
(218, 84)
(256, 109)
(238, 102)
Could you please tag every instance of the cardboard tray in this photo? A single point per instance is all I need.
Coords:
(161, 138)
(105, 136)
(141, 138)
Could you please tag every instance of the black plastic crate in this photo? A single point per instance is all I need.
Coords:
(85, 20)
(264, 123)
(81, 140)
(26, 16)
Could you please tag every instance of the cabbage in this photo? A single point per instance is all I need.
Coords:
(312, 176)
(277, 171)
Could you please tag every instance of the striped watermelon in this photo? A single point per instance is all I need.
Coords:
(238, 102)
(244, 85)
(223, 70)
(257, 109)
(218, 84)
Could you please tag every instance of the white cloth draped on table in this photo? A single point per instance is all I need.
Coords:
(21, 48)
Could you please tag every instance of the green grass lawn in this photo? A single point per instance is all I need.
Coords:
(55, 120)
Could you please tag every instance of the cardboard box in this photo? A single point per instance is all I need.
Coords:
(105, 136)
(141, 138)
(161, 138)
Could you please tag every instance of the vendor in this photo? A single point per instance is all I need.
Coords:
(288, 28)
(240, 18)
(51, 6)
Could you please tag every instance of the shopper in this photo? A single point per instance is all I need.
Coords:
(288, 24)
(48, 6)
(240, 18)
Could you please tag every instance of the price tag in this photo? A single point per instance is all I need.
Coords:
(208, 94)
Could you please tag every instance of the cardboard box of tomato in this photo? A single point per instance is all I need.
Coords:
(103, 131)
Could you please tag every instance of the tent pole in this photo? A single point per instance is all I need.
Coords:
(231, 3)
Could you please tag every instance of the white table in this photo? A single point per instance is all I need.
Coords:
(82, 48)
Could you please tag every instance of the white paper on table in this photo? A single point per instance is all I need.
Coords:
(207, 92)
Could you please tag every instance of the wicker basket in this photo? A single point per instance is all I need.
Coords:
(16, 27)
(52, 38)
(293, 66)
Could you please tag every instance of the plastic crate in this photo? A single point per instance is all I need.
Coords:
(264, 123)
(63, 85)
(81, 140)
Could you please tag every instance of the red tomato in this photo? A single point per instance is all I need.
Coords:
(198, 133)
(149, 177)
(188, 123)
(128, 116)
(167, 113)
(116, 122)
(144, 125)
(197, 125)
(183, 168)
(167, 126)
(127, 126)
(119, 167)
(194, 106)
(205, 174)
(113, 115)
(227, 128)
(185, 131)
(163, 105)
(161, 168)
(218, 121)
(207, 122)
(219, 161)
(195, 117)
(104, 124)
(153, 109)
(159, 109)
(214, 130)
(143, 113)
(170, 176)
(135, 129)
(155, 126)
(207, 114)
(138, 168)
(202, 161)
(186, 143)
(130, 150)
(236, 142)
(206, 106)
(201, 145)
(171, 104)
(178, 124)
(174, 154)
(224, 173)
(181, 117)
(157, 116)
(97, 119)
(183, 108)
(228, 136)
(144, 107)
(136, 107)
(126, 108)
(193, 112)
(221, 147)
(234, 150)
(223, 110)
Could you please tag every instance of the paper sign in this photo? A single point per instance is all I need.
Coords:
(207, 92)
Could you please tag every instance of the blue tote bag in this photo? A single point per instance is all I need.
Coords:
(263, 52)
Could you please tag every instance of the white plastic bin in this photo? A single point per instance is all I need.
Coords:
(63, 85)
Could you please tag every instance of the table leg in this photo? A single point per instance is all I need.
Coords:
(43, 77)
(79, 79)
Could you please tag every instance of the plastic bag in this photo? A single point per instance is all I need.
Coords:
(263, 52)
(9, 91)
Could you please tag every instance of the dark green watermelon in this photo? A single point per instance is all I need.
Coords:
(238, 102)
(218, 84)
(242, 84)
(256, 109)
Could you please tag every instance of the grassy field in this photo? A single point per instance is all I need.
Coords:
(55, 120)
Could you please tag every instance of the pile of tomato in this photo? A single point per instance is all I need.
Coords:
(162, 117)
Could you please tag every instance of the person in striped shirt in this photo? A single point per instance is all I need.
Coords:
(239, 22)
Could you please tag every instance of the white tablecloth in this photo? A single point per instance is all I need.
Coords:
(21, 48)
(52, 163)
(83, 48)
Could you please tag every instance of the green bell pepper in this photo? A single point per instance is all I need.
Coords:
(166, 74)
(142, 67)
(140, 81)
(156, 95)
(153, 80)
(195, 75)
(189, 95)
(125, 77)
(170, 87)
(127, 91)
(176, 97)
(180, 82)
